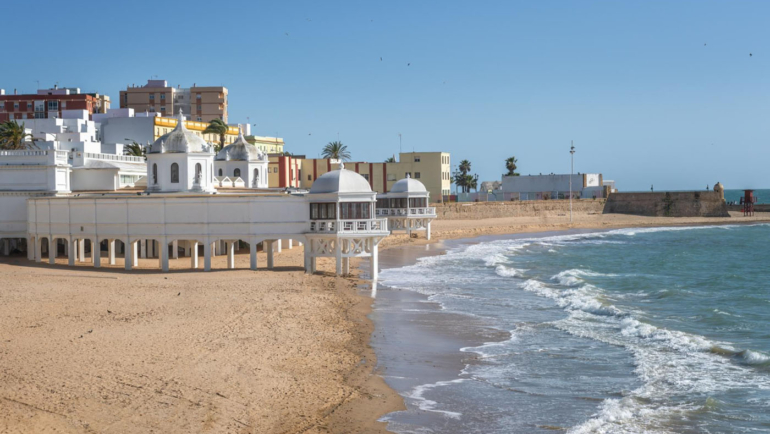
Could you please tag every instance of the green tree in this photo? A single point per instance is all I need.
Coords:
(465, 167)
(471, 182)
(462, 178)
(336, 150)
(510, 166)
(135, 150)
(14, 137)
(217, 126)
(390, 160)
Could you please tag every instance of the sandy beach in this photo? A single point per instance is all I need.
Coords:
(272, 351)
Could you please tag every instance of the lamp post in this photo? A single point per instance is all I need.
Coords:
(571, 170)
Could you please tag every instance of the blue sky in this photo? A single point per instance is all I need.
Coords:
(631, 82)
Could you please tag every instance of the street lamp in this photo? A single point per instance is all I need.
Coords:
(571, 170)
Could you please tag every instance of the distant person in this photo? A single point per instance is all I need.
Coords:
(652, 189)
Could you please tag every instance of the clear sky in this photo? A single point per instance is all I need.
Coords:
(652, 92)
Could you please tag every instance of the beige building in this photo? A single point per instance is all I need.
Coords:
(198, 103)
(433, 169)
(268, 145)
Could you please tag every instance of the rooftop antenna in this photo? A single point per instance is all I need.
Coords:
(399, 143)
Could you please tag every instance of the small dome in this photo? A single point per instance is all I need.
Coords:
(180, 139)
(408, 185)
(340, 181)
(240, 150)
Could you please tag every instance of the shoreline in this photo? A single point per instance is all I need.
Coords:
(187, 351)
(467, 230)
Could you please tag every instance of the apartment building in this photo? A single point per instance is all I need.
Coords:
(431, 168)
(47, 103)
(198, 103)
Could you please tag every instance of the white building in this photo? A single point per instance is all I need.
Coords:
(539, 187)
(244, 161)
(406, 207)
(180, 211)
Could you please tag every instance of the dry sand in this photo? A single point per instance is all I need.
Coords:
(230, 351)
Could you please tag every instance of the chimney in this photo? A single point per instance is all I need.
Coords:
(55, 86)
(14, 91)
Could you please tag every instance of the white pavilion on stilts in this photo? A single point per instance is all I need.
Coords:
(406, 207)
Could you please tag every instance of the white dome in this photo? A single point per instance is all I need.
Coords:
(180, 139)
(240, 150)
(408, 185)
(340, 181)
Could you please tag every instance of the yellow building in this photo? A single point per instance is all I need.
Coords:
(198, 103)
(268, 145)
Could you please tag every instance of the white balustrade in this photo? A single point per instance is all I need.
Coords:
(343, 226)
(427, 211)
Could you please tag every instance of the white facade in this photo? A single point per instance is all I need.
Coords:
(536, 187)
(242, 160)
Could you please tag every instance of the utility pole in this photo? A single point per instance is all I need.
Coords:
(571, 170)
(399, 143)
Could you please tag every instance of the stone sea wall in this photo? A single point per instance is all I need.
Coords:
(668, 204)
(527, 208)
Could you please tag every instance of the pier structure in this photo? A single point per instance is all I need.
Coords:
(406, 207)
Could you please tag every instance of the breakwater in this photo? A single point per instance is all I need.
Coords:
(668, 204)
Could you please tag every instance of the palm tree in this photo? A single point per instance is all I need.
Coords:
(390, 160)
(14, 137)
(465, 167)
(510, 166)
(336, 151)
(135, 150)
(472, 182)
(217, 126)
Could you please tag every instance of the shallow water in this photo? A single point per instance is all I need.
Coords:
(634, 330)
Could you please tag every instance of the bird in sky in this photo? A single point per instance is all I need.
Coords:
(750, 54)
(380, 59)
(286, 34)
(408, 64)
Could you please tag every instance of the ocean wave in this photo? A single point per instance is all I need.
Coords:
(426, 404)
(503, 271)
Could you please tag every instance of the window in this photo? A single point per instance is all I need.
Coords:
(355, 210)
(220, 172)
(15, 106)
(275, 170)
(163, 96)
(416, 158)
(198, 96)
(152, 97)
(155, 174)
(418, 202)
(198, 172)
(175, 173)
(199, 107)
(323, 211)
(309, 178)
(366, 176)
(256, 175)
(237, 172)
(53, 105)
(39, 115)
(416, 175)
(162, 108)
(408, 175)
(29, 105)
(391, 176)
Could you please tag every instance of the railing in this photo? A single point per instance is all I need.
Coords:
(347, 226)
(428, 211)
(115, 157)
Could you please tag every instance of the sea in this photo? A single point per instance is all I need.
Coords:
(761, 195)
(654, 330)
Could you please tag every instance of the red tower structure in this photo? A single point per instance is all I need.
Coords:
(748, 200)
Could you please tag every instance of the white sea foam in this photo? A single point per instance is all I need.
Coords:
(503, 271)
(754, 357)
(425, 404)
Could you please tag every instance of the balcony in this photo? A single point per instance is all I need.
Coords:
(407, 212)
(348, 226)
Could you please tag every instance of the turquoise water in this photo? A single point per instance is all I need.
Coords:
(762, 195)
(635, 330)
